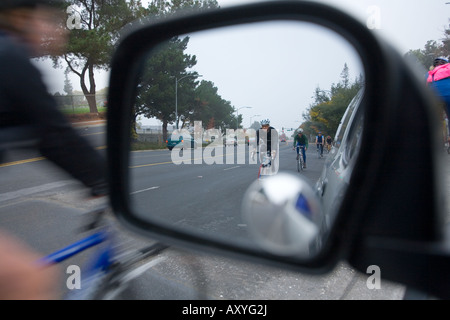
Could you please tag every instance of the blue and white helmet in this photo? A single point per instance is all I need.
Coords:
(265, 122)
(439, 61)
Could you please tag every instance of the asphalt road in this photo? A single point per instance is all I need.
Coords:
(44, 207)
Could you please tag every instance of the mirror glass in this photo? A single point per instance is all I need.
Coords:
(196, 141)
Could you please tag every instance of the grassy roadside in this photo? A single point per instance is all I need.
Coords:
(83, 114)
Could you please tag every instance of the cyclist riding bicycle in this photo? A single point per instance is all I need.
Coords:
(267, 141)
(328, 142)
(438, 78)
(301, 142)
(30, 29)
(319, 143)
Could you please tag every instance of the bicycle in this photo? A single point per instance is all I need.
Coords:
(319, 150)
(300, 160)
(265, 163)
(111, 268)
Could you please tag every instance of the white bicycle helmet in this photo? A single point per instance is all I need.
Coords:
(265, 122)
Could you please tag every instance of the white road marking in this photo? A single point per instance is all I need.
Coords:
(143, 190)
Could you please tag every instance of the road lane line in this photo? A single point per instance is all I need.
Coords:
(231, 168)
(32, 190)
(15, 163)
(143, 190)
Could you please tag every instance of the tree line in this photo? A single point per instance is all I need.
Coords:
(325, 112)
(96, 27)
(432, 49)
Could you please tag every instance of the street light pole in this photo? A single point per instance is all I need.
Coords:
(176, 94)
(255, 115)
(237, 115)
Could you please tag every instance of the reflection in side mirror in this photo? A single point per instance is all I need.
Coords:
(213, 88)
(282, 214)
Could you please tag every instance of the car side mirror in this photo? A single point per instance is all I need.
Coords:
(219, 203)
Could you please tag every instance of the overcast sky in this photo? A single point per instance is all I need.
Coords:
(271, 70)
(233, 68)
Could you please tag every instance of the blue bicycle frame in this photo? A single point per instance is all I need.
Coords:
(99, 265)
(103, 260)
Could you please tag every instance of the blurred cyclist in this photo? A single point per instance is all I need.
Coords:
(25, 26)
(24, 99)
(301, 142)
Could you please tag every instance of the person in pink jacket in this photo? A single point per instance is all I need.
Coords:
(439, 80)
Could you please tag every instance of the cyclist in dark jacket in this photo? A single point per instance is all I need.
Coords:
(24, 101)
(300, 140)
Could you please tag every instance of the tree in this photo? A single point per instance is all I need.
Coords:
(326, 111)
(166, 71)
(68, 88)
(345, 76)
(211, 105)
(67, 100)
(320, 96)
(426, 55)
(160, 8)
(156, 89)
(95, 28)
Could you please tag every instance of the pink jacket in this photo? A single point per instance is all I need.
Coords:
(439, 73)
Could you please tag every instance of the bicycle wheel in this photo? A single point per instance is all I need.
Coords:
(298, 162)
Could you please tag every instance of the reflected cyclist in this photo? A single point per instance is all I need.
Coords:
(319, 143)
(328, 142)
(267, 141)
(301, 143)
